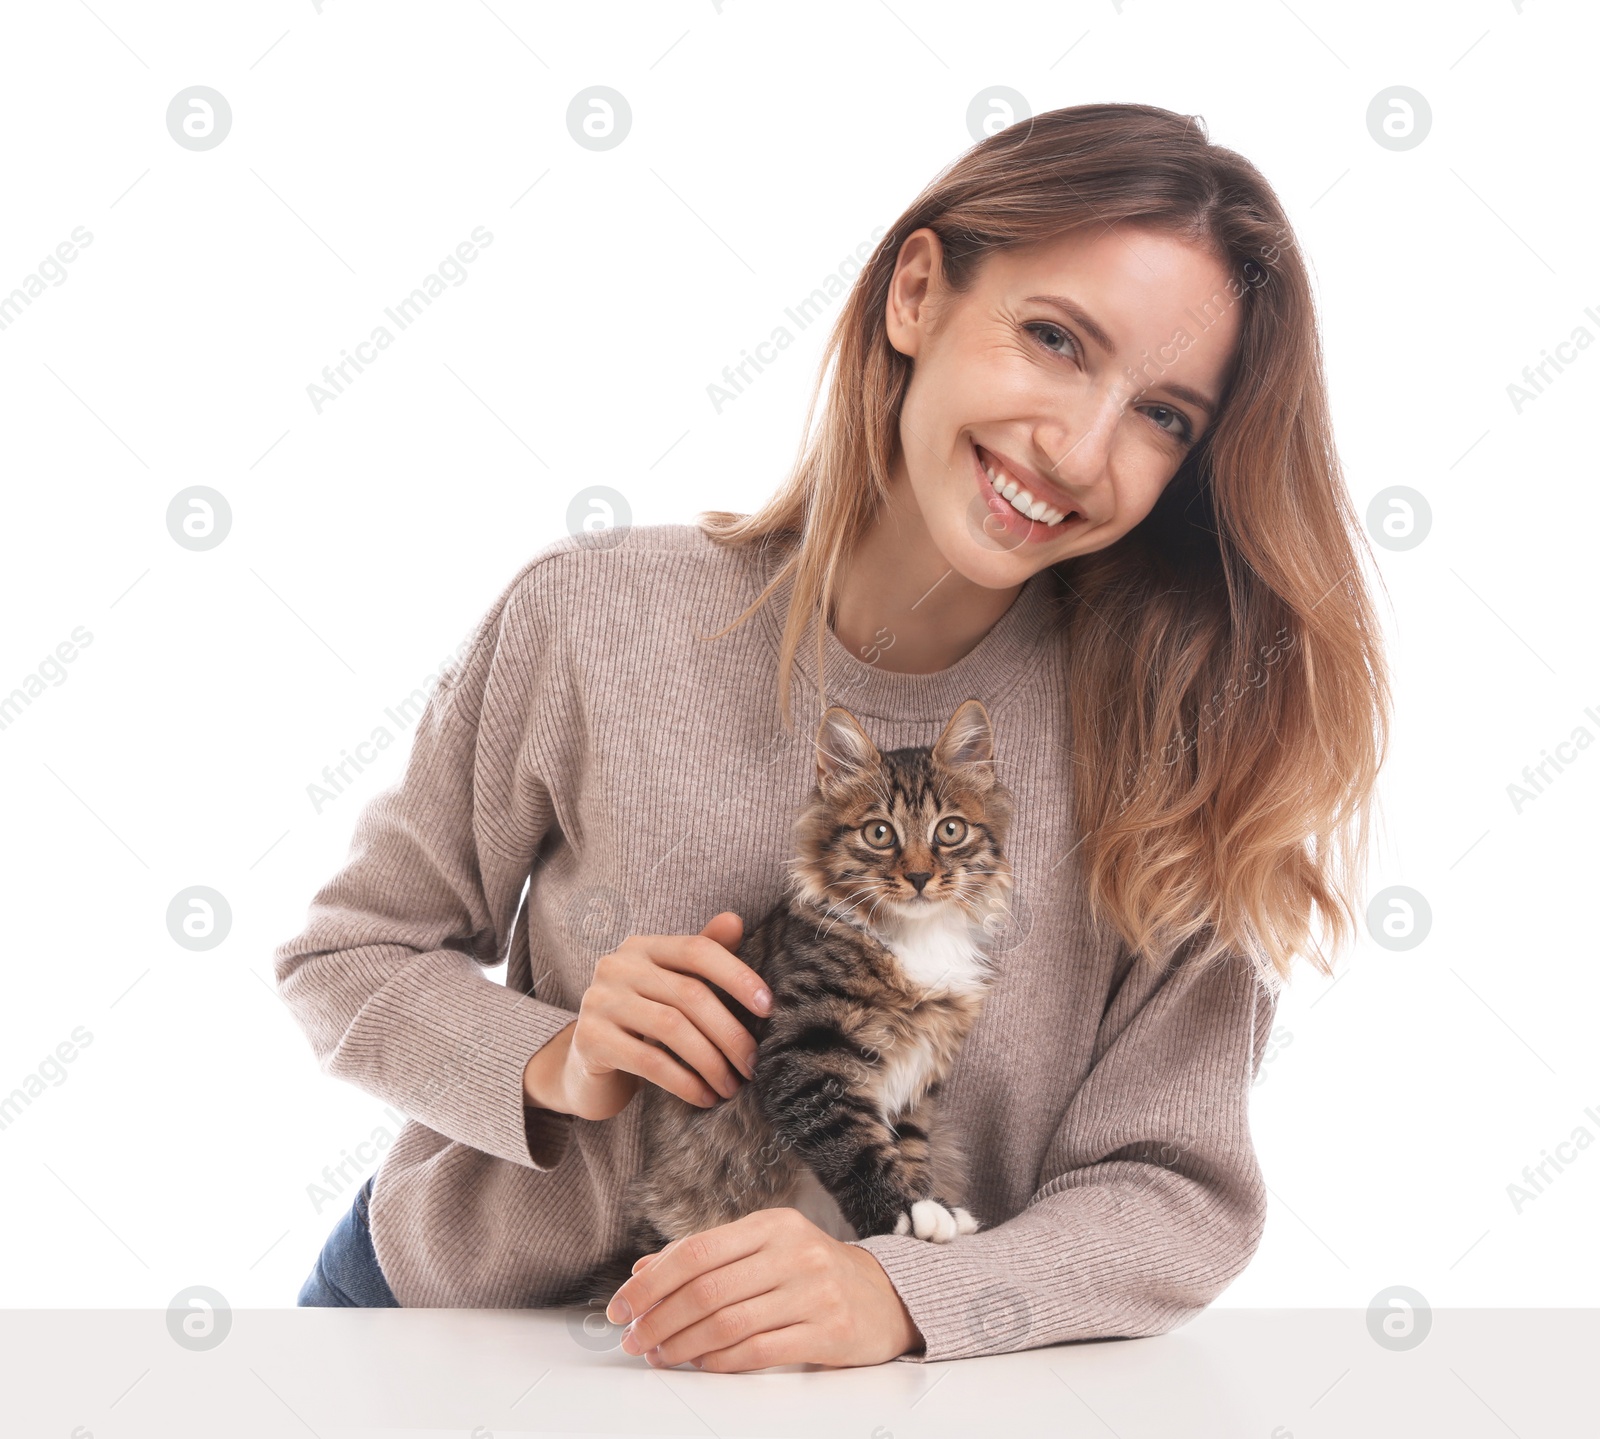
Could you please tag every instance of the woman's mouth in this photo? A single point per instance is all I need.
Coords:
(1018, 510)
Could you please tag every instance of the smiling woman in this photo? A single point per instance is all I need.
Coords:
(1114, 435)
(1075, 463)
(1090, 346)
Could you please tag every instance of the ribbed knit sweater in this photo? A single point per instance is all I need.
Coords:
(592, 769)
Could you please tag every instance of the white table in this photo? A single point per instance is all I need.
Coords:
(473, 1374)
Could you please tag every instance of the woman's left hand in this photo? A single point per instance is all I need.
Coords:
(770, 1288)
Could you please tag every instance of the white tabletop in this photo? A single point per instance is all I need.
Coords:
(500, 1374)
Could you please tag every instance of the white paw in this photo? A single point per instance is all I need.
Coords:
(930, 1220)
(903, 1223)
(965, 1223)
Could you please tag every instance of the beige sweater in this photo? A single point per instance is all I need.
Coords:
(641, 777)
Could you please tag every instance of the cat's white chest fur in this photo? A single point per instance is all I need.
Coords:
(941, 952)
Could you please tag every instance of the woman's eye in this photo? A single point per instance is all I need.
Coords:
(1184, 430)
(877, 834)
(1041, 326)
(951, 831)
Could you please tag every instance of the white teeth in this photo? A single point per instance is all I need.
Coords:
(1020, 500)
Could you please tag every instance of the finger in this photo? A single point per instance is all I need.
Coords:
(702, 955)
(657, 1016)
(627, 1052)
(735, 1324)
(793, 1344)
(698, 1018)
(685, 1260)
(697, 1002)
(720, 1308)
(726, 928)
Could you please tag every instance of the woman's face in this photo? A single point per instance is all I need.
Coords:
(1083, 405)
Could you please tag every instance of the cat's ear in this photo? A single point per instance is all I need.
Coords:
(967, 739)
(843, 748)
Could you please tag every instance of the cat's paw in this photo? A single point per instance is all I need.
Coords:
(930, 1220)
(965, 1223)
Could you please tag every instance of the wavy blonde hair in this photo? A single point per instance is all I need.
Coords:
(1222, 779)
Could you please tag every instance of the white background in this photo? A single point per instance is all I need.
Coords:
(767, 142)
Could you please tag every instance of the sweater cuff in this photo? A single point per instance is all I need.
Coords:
(536, 1137)
(958, 1310)
(452, 1054)
(547, 1132)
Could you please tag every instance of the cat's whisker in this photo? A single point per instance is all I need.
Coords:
(865, 895)
(842, 909)
(832, 909)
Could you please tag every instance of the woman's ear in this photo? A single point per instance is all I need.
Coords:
(843, 748)
(967, 739)
(908, 315)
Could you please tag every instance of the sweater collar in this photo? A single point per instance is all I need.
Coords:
(989, 671)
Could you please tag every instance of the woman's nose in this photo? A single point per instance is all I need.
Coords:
(1078, 450)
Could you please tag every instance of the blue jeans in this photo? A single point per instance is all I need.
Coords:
(346, 1274)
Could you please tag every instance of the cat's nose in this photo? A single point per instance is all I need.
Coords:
(920, 878)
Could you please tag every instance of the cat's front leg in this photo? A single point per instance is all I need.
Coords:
(931, 1216)
(826, 1115)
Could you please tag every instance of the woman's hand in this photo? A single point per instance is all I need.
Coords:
(771, 1288)
(646, 993)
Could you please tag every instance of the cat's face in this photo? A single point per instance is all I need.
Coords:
(896, 836)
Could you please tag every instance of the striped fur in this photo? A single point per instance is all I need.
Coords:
(874, 990)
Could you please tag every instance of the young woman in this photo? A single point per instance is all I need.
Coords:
(1075, 460)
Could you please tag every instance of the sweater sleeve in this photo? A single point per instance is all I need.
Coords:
(1150, 1199)
(387, 977)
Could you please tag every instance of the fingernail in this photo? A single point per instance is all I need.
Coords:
(619, 1312)
(763, 999)
(698, 1363)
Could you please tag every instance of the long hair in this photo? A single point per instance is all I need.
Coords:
(1229, 700)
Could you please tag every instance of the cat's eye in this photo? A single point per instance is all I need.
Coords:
(950, 831)
(878, 834)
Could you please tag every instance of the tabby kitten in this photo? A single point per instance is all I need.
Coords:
(877, 962)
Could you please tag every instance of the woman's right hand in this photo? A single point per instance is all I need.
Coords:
(650, 988)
